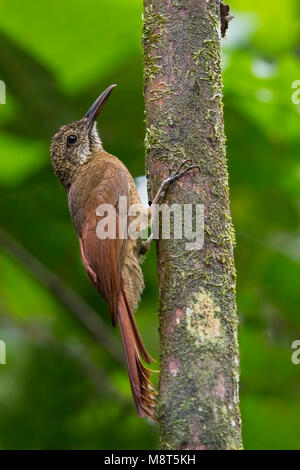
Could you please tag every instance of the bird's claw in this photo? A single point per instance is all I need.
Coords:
(180, 166)
(181, 170)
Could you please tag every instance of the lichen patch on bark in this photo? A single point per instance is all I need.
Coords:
(173, 365)
(202, 318)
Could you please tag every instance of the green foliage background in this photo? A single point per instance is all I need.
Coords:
(56, 57)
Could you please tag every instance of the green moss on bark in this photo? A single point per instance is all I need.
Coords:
(152, 34)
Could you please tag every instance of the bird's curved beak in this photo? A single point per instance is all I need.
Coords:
(97, 106)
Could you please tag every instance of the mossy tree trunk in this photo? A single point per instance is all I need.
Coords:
(198, 402)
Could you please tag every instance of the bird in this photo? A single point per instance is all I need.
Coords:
(92, 177)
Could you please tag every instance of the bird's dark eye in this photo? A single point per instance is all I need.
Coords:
(71, 139)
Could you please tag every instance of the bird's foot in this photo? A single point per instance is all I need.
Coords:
(174, 175)
(181, 170)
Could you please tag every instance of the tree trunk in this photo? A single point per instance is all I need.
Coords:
(198, 401)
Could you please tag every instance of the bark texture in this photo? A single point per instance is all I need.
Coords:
(198, 402)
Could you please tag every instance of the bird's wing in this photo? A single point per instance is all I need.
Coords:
(103, 261)
(102, 258)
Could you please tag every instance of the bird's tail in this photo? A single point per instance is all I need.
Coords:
(143, 393)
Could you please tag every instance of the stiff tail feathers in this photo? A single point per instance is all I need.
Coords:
(144, 394)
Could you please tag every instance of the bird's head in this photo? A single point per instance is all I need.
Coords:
(76, 143)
